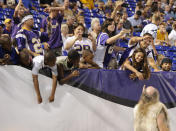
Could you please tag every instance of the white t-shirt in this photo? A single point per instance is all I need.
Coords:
(151, 29)
(79, 45)
(135, 22)
(38, 63)
(172, 37)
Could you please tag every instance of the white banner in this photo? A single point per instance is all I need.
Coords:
(72, 110)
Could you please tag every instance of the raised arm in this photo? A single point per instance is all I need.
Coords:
(49, 9)
(20, 3)
(116, 8)
(70, 43)
(94, 46)
(116, 37)
(135, 40)
(152, 63)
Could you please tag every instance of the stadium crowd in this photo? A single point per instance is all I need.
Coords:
(89, 34)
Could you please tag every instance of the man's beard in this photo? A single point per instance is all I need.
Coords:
(144, 105)
(166, 69)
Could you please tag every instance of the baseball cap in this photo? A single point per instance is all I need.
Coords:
(166, 60)
(7, 20)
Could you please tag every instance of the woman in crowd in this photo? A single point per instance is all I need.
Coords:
(78, 41)
(137, 64)
(105, 43)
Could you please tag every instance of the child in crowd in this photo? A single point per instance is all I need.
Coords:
(166, 64)
(25, 59)
(162, 35)
(87, 60)
(137, 63)
(39, 62)
(8, 27)
(8, 54)
(66, 66)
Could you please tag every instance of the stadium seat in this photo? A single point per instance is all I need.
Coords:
(136, 33)
(161, 52)
(159, 48)
(123, 43)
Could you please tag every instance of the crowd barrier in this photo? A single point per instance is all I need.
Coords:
(115, 85)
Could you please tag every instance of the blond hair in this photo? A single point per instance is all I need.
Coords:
(64, 27)
(94, 20)
(146, 101)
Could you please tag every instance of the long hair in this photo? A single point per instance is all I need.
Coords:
(78, 24)
(145, 102)
(143, 64)
(105, 25)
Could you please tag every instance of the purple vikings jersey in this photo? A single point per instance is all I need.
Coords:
(103, 52)
(15, 26)
(55, 38)
(30, 40)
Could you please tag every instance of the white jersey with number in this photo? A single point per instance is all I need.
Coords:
(79, 45)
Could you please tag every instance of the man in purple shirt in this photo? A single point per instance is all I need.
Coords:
(17, 16)
(31, 39)
(52, 25)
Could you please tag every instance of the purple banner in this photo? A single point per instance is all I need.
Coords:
(117, 84)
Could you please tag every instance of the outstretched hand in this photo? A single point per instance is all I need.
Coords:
(51, 99)
(118, 4)
(143, 89)
(124, 31)
(39, 98)
(133, 76)
(140, 76)
(47, 9)
(75, 73)
(46, 46)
